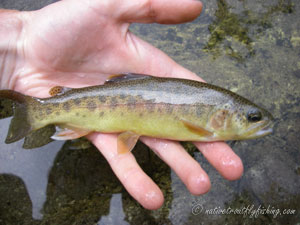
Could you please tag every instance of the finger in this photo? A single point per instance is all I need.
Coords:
(141, 57)
(157, 11)
(136, 182)
(221, 156)
(189, 171)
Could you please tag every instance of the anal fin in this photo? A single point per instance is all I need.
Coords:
(39, 138)
(126, 141)
(68, 133)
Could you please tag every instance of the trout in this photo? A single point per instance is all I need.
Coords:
(135, 105)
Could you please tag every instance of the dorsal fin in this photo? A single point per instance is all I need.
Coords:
(58, 90)
(126, 77)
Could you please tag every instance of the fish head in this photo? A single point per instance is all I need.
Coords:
(249, 121)
(240, 121)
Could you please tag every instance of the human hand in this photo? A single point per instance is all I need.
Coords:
(76, 43)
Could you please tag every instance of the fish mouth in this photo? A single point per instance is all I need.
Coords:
(263, 132)
(260, 129)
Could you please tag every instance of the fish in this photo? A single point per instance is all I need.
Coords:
(135, 105)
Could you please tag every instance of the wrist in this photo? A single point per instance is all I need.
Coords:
(11, 27)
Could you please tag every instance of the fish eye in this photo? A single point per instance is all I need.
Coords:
(254, 116)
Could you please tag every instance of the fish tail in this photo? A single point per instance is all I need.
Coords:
(20, 125)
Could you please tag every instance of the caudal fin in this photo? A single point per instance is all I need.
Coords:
(20, 125)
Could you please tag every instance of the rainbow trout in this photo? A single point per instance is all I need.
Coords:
(140, 105)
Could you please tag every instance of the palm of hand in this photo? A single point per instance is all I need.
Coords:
(76, 43)
(61, 51)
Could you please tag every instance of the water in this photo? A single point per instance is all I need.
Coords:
(250, 47)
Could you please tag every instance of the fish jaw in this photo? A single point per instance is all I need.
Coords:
(265, 130)
(259, 129)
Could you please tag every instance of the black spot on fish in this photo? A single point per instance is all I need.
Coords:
(83, 116)
(131, 102)
(101, 114)
(149, 106)
(184, 109)
(113, 101)
(48, 110)
(66, 106)
(77, 101)
(102, 99)
(169, 108)
(91, 105)
(56, 105)
(77, 114)
(199, 111)
(122, 96)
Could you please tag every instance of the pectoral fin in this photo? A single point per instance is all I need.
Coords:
(69, 133)
(126, 141)
(197, 129)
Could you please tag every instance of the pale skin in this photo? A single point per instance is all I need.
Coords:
(77, 43)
